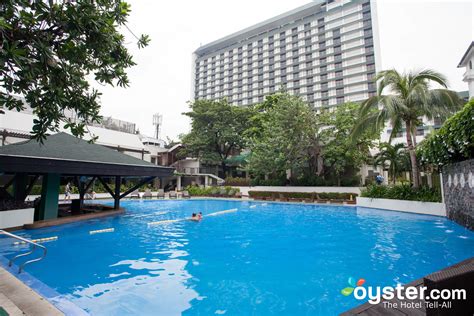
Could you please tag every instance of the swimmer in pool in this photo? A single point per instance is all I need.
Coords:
(195, 217)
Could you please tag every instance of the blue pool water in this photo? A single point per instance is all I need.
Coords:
(264, 259)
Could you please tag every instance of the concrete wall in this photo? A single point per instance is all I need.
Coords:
(16, 218)
(356, 190)
(458, 189)
(427, 208)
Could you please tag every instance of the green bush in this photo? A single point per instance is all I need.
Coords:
(303, 195)
(241, 182)
(226, 191)
(269, 182)
(453, 142)
(402, 192)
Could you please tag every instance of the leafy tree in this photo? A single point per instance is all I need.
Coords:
(340, 152)
(217, 130)
(49, 50)
(393, 157)
(286, 137)
(453, 142)
(410, 100)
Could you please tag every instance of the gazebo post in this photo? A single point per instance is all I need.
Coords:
(118, 181)
(19, 186)
(49, 196)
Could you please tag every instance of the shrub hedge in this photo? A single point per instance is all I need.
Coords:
(240, 182)
(453, 142)
(304, 195)
(226, 191)
(402, 192)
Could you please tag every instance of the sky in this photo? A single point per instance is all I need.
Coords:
(414, 34)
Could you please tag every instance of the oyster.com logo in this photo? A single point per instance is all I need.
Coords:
(405, 294)
(352, 285)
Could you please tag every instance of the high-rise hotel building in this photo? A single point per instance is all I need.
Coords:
(325, 52)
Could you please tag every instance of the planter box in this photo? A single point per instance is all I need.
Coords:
(427, 208)
(16, 218)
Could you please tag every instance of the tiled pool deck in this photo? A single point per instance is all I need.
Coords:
(18, 299)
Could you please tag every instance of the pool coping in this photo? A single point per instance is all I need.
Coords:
(26, 287)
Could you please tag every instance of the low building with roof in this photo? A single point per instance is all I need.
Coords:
(62, 156)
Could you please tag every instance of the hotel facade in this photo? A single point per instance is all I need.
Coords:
(325, 51)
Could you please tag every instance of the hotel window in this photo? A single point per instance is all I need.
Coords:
(420, 132)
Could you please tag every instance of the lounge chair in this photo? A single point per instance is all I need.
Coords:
(173, 195)
(185, 195)
(147, 194)
(135, 194)
(161, 194)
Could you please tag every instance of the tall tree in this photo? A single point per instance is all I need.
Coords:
(339, 152)
(217, 130)
(392, 157)
(410, 100)
(49, 50)
(285, 137)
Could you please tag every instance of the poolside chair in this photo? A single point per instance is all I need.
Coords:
(135, 194)
(173, 195)
(147, 194)
(161, 194)
(185, 195)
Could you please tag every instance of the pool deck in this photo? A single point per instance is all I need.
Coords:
(18, 299)
(73, 219)
(387, 307)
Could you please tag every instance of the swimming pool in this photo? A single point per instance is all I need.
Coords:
(264, 259)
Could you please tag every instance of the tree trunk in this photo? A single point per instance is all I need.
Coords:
(394, 175)
(224, 167)
(412, 152)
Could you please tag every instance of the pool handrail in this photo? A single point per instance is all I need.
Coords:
(33, 246)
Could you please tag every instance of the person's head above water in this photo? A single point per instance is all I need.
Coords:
(194, 214)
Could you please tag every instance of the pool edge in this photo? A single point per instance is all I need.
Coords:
(49, 295)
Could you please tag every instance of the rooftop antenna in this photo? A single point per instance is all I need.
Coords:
(157, 122)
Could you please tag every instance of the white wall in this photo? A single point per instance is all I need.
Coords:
(427, 208)
(16, 218)
(469, 75)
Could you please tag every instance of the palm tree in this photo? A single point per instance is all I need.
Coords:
(393, 157)
(410, 100)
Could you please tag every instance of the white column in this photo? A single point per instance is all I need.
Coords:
(206, 181)
(178, 183)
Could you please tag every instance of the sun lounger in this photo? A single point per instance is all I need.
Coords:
(147, 194)
(173, 195)
(135, 194)
(185, 195)
(161, 194)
